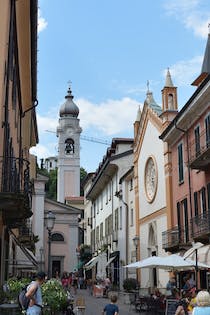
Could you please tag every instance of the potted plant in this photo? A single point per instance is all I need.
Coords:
(129, 285)
(14, 287)
(54, 297)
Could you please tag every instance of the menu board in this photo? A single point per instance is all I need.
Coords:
(171, 306)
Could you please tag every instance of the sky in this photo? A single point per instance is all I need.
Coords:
(109, 49)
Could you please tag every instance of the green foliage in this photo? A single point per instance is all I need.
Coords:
(85, 253)
(14, 287)
(51, 185)
(130, 284)
(54, 295)
(83, 174)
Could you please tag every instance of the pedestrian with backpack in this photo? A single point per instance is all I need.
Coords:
(35, 295)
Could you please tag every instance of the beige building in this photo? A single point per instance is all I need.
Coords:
(18, 99)
(107, 207)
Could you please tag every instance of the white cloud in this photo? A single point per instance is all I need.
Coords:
(41, 151)
(109, 117)
(46, 123)
(192, 13)
(42, 23)
(185, 72)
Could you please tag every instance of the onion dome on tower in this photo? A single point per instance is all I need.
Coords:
(69, 108)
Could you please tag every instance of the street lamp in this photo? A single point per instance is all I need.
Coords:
(50, 221)
(136, 244)
(41, 251)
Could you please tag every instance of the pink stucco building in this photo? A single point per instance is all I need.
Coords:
(187, 169)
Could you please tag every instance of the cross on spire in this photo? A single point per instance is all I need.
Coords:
(147, 85)
(69, 84)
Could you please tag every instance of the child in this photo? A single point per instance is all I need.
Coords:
(112, 308)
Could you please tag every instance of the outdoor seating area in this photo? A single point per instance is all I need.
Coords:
(150, 305)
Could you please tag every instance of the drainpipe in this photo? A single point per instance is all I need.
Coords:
(188, 169)
(120, 196)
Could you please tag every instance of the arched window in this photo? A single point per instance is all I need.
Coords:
(57, 237)
(170, 101)
(69, 146)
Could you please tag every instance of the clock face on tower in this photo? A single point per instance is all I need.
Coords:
(150, 178)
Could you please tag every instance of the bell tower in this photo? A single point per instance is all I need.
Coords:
(169, 101)
(68, 133)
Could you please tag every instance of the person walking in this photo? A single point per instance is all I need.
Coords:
(203, 304)
(35, 294)
(111, 308)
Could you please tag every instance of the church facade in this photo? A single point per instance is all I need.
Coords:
(150, 189)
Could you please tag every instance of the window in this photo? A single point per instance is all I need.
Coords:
(116, 221)
(106, 194)
(178, 218)
(203, 199)
(208, 195)
(207, 125)
(106, 226)
(97, 205)
(180, 163)
(94, 210)
(182, 219)
(101, 200)
(57, 237)
(110, 224)
(131, 218)
(197, 141)
(185, 220)
(110, 190)
(69, 146)
(120, 218)
(101, 231)
(97, 234)
(131, 184)
(196, 203)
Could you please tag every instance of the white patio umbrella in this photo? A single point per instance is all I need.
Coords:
(150, 262)
(171, 262)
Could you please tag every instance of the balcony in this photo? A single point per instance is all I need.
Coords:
(199, 151)
(26, 236)
(175, 239)
(201, 227)
(15, 190)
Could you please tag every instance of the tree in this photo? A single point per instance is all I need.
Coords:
(83, 174)
(51, 185)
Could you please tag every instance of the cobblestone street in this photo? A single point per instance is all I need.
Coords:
(95, 305)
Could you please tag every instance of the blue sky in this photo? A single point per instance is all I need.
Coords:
(109, 49)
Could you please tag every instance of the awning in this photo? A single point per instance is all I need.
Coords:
(91, 263)
(111, 260)
(22, 261)
(23, 254)
(203, 255)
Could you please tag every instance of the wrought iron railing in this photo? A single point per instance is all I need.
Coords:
(26, 231)
(200, 225)
(15, 177)
(199, 146)
(174, 237)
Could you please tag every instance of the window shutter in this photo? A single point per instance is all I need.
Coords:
(196, 203)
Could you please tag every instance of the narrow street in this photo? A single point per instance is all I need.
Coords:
(95, 305)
